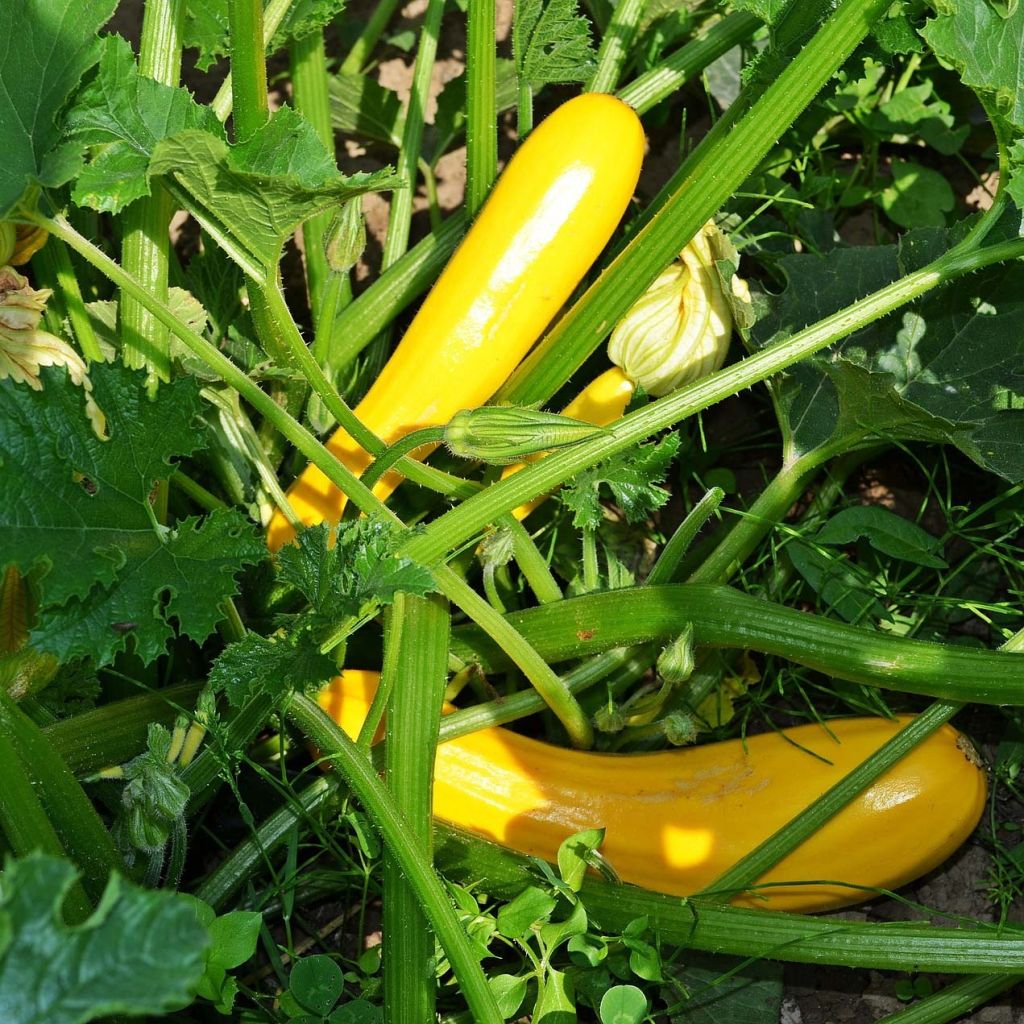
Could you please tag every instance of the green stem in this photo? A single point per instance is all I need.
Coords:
(404, 446)
(719, 165)
(591, 573)
(273, 15)
(524, 110)
(769, 508)
(248, 67)
(555, 693)
(481, 105)
(26, 827)
(797, 938)
(665, 568)
(954, 1000)
(116, 732)
(723, 617)
(405, 847)
(414, 709)
(196, 491)
(531, 562)
(145, 249)
(357, 57)
(57, 272)
(457, 526)
(309, 90)
(646, 91)
(79, 828)
(616, 45)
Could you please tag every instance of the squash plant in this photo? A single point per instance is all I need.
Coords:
(195, 537)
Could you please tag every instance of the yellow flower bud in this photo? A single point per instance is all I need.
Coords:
(679, 330)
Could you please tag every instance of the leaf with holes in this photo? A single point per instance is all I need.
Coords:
(79, 508)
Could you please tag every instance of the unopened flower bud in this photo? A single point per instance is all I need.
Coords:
(676, 662)
(680, 729)
(346, 237)
(503, 435)
(679, 330)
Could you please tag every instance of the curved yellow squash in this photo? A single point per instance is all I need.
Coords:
(677, 819)
(551, 213)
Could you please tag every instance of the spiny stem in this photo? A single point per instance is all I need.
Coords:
(481, 112)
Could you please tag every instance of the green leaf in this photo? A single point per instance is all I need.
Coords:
(273, 665)
(555, 1003)
(886, 532)
(303, 18)
(917, 111)
(128, 114)
(233, 938)
(724, 991)
(361, 106)
(841, 589)
(631, 477)
(623, 1004)
(251, 197)
(46, 46)
(532, 906)
(551, 42)
(316, 982)
(946, 368)
(141, 952)
(509, 991)
(574, 856)
(769, 11)
(351, 570)
(555, 933)
(918, 196)
(986, 48)
(79, 507)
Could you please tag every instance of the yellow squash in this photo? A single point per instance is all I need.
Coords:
(551, 213)
(677, 819)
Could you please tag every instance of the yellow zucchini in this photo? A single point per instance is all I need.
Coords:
(551, 213)
(677, 819)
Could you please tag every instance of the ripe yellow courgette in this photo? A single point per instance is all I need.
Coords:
(677, 819)
(551, 213)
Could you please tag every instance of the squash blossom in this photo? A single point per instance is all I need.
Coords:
(679, 330)
(19, 242)
(25, 349)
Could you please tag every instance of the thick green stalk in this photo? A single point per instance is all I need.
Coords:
(145, 249)
(774, 935)
(678, 544)
(405, 847)
(79, 828)
(719, 165)
(116, 732)
(954, 1000)
(722, 617)
(248, 67)
(396, 241)
(357, 57)
(419, 626)
(25, 825)
(481, 105)
(646, 91)
(309, 90)
(273, 15)
(457, 526)
(616, 45)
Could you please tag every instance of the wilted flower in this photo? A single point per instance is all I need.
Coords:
(25, 349)
(678, 331)
(20, 242)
